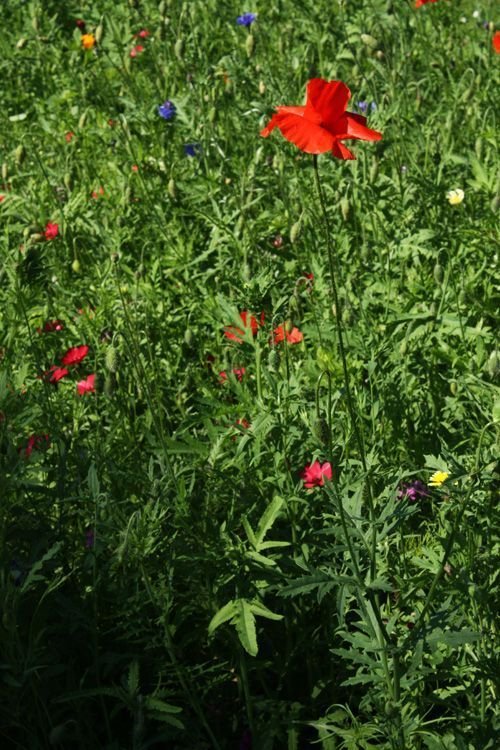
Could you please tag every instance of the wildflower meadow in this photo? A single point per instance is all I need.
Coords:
(249, 370)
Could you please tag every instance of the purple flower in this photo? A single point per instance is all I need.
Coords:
(413, 491)
(363, 106)
(167, 110)
(192, 149)
(246, 19)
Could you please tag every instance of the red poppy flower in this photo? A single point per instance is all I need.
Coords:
(496, 42)
(323, 123)
(249, 321)
(136, 50)
(35, 442)
(54, 374)
(69, 136)
(98, 193)
(238, 373)
(314, 474)
(75, 355)
(51, 231)
(293, 337)
(86, 386)
(142, 34)
(419, 3)
(134, 168)
(2, 198)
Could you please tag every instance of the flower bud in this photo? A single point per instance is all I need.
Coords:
(5, 171)
(295, 232)
(262, 88)
(75, 266)
(321, 430)
(179, 48)
(493, 364)
(374, 170)
(438, 273)
(171, 189)
(111, 359)
(22, 43)
(36, 237)
(188, 337)
(82, 120)
(453, 387)
(250, 45)
(67, 181)
(273, 360)
(98, 33)
(20, 154)
(344, 207)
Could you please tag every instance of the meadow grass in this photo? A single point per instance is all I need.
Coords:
(166, 577)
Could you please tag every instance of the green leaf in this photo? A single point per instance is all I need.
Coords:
(249, 532)
(245, 627)
(227, 612)
(261, 611)
(268, 518)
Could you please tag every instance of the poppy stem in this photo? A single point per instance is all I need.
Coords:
(338, 320)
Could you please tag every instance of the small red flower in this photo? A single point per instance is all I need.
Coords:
(323, 123)
(419, 3)
(75, 355)
(111, 122)
(242, 423)
(86, 386)
(249, 321)
(51, 231)
(238, 372)
(98, 193)
(35, 442)
(2, 198)
(134, 168)
(55, 374)
(80, 23)
(50, 326)
(293, 337)
(314, 474)
(142, 34)
(69, 136)
(136, 50)
(496, 42)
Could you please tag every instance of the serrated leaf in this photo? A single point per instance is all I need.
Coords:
(261, 611)
(249, 532)
(225, 613)
(158, 705)
(268, 518)
(245, 627)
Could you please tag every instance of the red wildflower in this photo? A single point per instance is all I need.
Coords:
(496, 42)
(314, 474)
(69, 136)
(86, 386)
(51, 231)
(111, 122)
(75, 355)
(98, 193)
(242, 423)
(2, 198)
(293, 337)
(50, 326)
(55, 374)
(142, 34)
(419, 3)
(35, 442)
(238, 373)
(136, 50)
(323, 123)
(249, 321)
(134, 168)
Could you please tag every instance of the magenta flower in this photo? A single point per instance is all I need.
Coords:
(314, 474)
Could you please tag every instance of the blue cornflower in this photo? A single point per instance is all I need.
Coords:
(246, 19)
(362, 106)
(167, 110)
(192, 149)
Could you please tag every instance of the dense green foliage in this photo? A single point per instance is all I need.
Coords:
(166, 578)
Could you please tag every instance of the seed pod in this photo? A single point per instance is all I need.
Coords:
(250, 45)
(67, 181)
(20, 154)
(36, 237)
(98, 33)
(379, 54)
(274, 360)
(22, 43)
(75, 266)
(493, 364)
(344, 207)
(82, 120)
(321, 430)
(438, 273)
(111, 359)
(162, 8)
(171, 189)
(453, 387)
(295, 232)
(5, 171)
(179, 48)
(212, 112)
(188, 337)
(403, 347)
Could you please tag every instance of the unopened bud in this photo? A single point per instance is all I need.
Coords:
(273, 360)
(171, 189)
(493, 364)
(82, 120)
(5, 171)
(438, 273)
(111, 359)
(250, 45)
(321, 431)
(262, 88)
(22, 43)
(179, 48)
(188, 337)
(75, 266)
(344, 207)
(295, 232)
(98, 33)
(20, 154)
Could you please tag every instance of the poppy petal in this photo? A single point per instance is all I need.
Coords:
(305, 134)
(356, 128)
(274, 121)
(328, 98)
(341, 152)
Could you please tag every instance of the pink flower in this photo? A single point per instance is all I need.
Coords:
(54, 374)
(142, 34)
(238, 373)
(51, 231)
(136, 50)
(50, 326)
(35, 442)
(86, 386)
(75, 355)
(293, 337)
(314, 474)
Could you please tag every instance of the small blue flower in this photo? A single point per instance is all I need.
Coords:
(167, 110)
(373, 107)
(246, 19)
(362, 106)
(192, 149)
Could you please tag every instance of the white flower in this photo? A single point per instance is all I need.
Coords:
(455, 196)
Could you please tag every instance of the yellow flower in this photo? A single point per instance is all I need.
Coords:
(438, 478)
(88, 41)
(455, 197)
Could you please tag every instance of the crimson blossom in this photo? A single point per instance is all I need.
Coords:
(323, 123)
(75, 355)
(314, 474)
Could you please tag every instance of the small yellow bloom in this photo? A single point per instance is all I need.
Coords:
(88, 41)
(455, 197)
(438, 478)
